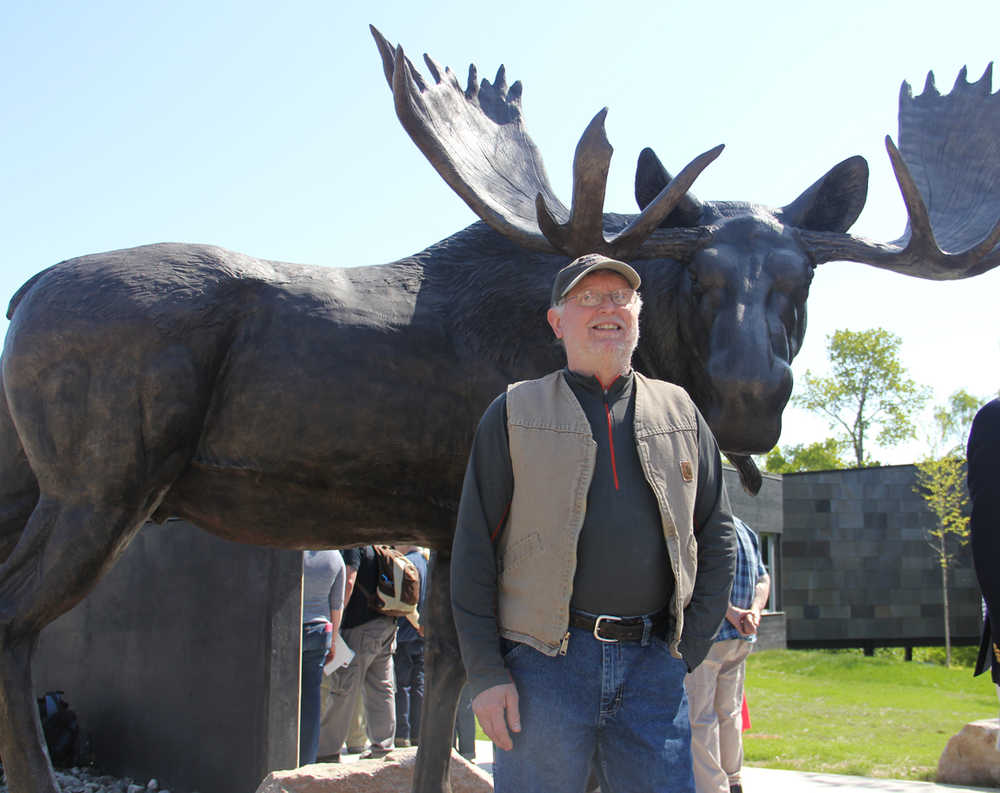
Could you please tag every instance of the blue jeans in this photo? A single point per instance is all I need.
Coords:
(409, 665)
(618, 705)
(315, 645)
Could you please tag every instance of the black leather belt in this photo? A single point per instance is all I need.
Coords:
(607, 628)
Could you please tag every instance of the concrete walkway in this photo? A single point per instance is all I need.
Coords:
(759, 780)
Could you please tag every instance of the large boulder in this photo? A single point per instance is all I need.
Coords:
(971, 757)
(390, 774)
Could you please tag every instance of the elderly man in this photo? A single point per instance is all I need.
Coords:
(715, 689)
(593, 557)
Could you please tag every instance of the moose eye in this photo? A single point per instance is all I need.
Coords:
(709, 270)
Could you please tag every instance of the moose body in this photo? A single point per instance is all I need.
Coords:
(306, 407)
(269, 403)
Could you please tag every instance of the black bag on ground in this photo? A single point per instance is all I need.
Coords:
(62, 733)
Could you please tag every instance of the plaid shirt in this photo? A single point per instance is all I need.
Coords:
(749, 569)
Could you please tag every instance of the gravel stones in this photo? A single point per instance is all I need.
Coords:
(87, 780)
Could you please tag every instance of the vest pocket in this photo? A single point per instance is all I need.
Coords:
(518, 551)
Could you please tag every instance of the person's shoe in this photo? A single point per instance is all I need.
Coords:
(737, 788)
(355, 749)
(329, 758)
(402, 743)
(374, 753)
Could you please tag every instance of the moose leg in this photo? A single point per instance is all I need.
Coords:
(25, 761)
(62, 553)
(106, 437)
(445, 676)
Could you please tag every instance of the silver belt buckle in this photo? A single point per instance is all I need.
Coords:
(597, 626)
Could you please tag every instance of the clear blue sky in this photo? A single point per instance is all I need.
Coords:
(268, 128)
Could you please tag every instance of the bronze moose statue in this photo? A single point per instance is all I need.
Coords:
(309, 407)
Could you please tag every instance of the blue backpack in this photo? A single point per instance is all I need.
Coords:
(62, 733)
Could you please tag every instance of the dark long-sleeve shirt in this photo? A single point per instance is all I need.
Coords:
(622, 565)
(984, 524)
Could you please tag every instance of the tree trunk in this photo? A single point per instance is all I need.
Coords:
(944, 593)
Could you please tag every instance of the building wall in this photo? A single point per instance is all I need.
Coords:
(763, 512)
(856, 566)
(183, 663)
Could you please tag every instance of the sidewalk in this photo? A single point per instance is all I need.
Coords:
(758, 780)
(775, 781)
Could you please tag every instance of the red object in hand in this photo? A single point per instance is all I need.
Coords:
(745, 713)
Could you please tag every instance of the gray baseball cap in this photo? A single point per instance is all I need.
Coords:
(570, 275)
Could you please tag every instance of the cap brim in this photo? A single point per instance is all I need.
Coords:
(624, 270)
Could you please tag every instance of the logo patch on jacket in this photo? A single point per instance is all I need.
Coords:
(687, 471)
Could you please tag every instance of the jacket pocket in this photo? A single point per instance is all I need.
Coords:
(519, 551)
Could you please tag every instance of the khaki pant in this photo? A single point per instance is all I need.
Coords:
(715, 700)
(371, 669)
(357, 736)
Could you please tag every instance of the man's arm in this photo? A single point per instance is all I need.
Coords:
(486, 496)
(350, 576)
(344, 586)
(716, 536)
(338, 597)
(761, 593)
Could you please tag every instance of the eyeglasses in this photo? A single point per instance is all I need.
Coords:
(591, 298)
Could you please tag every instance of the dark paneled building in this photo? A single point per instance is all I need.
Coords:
(857, 566)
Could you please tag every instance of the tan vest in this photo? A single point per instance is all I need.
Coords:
(553, 455)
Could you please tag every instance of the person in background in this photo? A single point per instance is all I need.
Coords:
(715, 688)
(323, 580)
(372, 636)
(983, 455)
(408, 660)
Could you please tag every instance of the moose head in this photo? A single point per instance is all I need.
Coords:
(737, 314)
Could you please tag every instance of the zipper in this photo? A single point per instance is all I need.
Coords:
(564, 644)
(611, 440)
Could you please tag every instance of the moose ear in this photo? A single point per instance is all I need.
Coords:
(834, 202)
(650, 178)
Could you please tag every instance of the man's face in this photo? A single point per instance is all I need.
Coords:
(601, 338)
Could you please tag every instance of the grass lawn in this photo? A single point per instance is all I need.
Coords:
(843, 713)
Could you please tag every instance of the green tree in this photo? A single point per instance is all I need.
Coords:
(941, 482)
(954, 419)
(822, 455)
(868, 389)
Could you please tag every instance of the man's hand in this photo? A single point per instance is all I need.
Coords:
(745, 621)
(490, 708)
(734, 615)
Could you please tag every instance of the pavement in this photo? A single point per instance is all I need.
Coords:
(757, 780)
(776, 781)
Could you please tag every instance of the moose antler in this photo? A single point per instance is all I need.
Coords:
(951, 186)
(475, 138)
